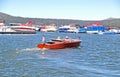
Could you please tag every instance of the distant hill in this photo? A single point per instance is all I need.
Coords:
(111, 18)
(113, 22)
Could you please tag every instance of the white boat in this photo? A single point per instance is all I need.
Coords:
(6, 29)
(68, 28)
(24, 27)
(106, 32)
(64, 28)
(95, 28)
(14, 29)
(72, 29)
(49, 28)
(9, 30)
(116, 30)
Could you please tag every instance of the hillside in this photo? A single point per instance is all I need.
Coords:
(13, 19)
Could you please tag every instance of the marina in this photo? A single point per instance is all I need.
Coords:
(59, 38)
(31, 28)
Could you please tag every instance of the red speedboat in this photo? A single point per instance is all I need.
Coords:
(60, 44)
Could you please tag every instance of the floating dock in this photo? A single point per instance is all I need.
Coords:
(20, 32)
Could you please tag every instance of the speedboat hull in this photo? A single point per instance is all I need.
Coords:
(60, 45)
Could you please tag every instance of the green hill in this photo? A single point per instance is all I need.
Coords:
(14, 19)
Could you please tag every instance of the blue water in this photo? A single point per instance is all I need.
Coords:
(97, 56)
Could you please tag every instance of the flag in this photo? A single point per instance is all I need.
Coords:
(43, 39)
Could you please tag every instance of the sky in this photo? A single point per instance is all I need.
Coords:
(62, 9)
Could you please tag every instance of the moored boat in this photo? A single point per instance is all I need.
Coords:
(95, 27)
(107, 32)
(49, 28)
(29, 26)
(68, 28)
(60, 44)
(10, 30)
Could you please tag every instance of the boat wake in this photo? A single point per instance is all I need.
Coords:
(79, 47)
(27, 50)
(31, 49)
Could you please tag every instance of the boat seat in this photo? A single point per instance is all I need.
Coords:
(56, 40)
(51, 42)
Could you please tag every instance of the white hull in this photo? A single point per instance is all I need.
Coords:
(24, 28)
(6, 29)
(9, 30)
(92, 32)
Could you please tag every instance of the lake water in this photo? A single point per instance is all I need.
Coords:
(97, 56)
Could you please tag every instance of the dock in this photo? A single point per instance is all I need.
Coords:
(20, 32)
